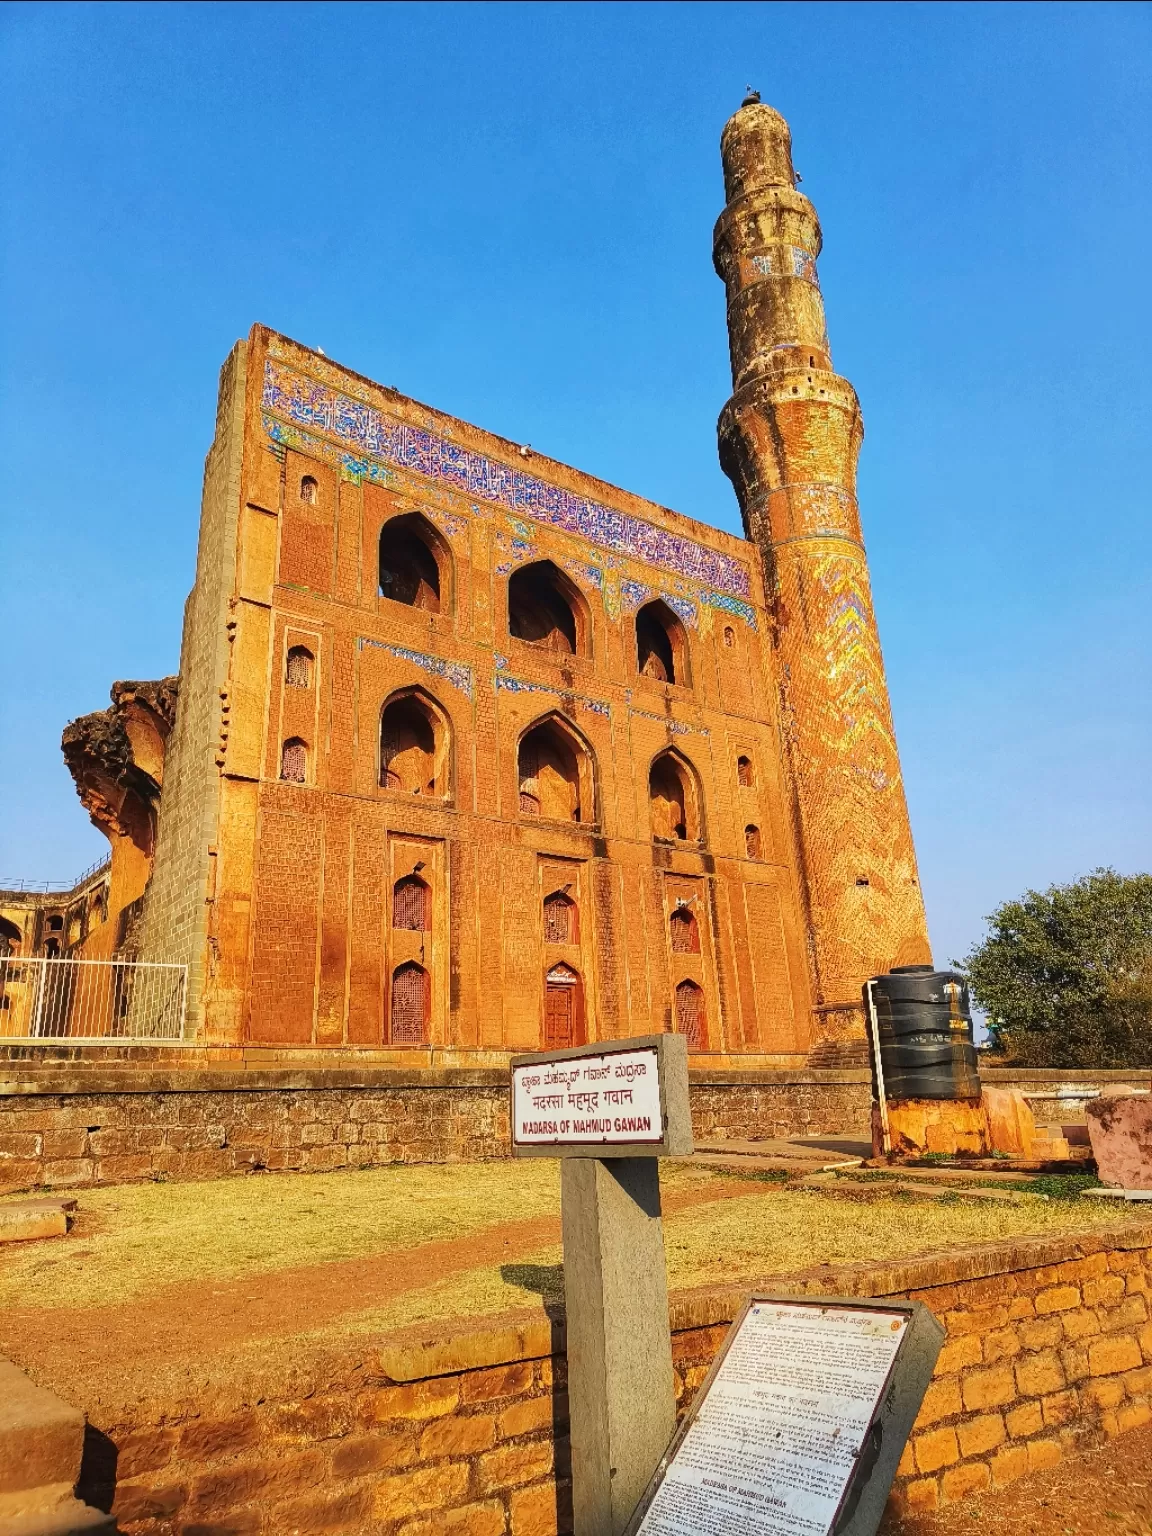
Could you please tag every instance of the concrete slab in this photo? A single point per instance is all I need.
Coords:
(25, 1219)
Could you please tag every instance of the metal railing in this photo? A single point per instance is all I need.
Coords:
(116, 1001)
(54, 887)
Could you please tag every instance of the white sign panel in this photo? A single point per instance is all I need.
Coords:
(773, 1445)
(588, 1100)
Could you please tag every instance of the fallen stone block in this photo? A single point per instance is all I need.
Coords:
(26, 1219)
(1120, 1128)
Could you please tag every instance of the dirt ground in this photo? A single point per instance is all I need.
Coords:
(158, 1282)
(1104, 1491)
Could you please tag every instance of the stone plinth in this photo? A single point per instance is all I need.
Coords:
(953, 1127)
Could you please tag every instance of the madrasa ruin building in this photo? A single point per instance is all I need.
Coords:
(471, 752)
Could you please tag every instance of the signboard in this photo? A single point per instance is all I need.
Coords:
(799, 1426)
(620, 1098)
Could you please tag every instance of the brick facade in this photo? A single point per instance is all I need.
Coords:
(1049, 1345)
(416, 650)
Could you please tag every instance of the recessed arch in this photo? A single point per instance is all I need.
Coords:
(294, 761)
(684, 931)
(308, 490)
(412, 904)
(745, 773)
(675, 800)
(752, 841)
(415, 563)
(661, 644)
(563, 1008)
(561, 919)
(415, 745)
(691, 1021)
(298, 668)
(546, 608)
(556, 772)
(10, 938)
(409, 1005)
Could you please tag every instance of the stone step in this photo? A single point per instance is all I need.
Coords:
(41, 1443)
(21, 1220)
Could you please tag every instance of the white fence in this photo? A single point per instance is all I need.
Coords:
(91, 1000)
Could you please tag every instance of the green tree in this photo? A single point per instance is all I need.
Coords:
(1065, 975)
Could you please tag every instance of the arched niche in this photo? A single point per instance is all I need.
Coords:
(409, 1005)
(545, 608)
(415, 565)
(674, 797)
(10, 938)
(294, 761)
(690, 1016)
(412, 904)
(298, 667)
(561, 919)
(415, 745)
(752, 843)
(661, 644)
(555, 772)
(563, 1008)
(684, 931)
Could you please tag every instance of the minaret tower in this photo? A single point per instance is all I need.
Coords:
(789, 441)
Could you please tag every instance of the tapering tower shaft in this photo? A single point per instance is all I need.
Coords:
(789, 440)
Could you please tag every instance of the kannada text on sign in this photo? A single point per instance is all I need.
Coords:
(588, 1100)
(773, 1445)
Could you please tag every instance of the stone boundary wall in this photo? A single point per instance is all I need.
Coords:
(204, 1124)
(1049, 1346)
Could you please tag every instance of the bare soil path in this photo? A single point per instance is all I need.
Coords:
(1103, 1491)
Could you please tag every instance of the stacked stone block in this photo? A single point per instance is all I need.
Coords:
(1049, 1347)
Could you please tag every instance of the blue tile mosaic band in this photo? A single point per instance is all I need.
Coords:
(293, 400)
(526, 685)
(677, 727)
(786, 261)
(453, 672)
(634, 594)
(731, 605)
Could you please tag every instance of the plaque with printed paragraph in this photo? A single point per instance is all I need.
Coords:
(799, 1426)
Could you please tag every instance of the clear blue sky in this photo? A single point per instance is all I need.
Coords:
(506, 210)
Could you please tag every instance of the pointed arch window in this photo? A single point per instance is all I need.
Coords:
(294, 761)
(563, 1008)
(555, 774)
(308, 490)
(752, 842)
(674, 800)
(559, 919)
(413, 561)
(690, 1020)
(744, 775)
(412, 904)
(685, 932)
(413, 746)
(546, 609)
(408, 1010)
(298, 673)
(661, 644)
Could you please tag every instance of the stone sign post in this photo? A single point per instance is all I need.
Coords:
(609, 1111)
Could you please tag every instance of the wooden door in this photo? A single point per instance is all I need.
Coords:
(409, 1013)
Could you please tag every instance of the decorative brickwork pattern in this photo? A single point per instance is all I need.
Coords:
(789, 440)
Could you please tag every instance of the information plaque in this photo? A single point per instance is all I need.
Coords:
(616, 1099)
(800, 1424)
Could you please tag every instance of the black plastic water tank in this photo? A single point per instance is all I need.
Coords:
(925, 1025)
